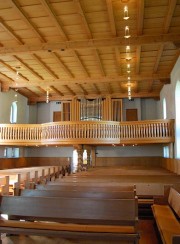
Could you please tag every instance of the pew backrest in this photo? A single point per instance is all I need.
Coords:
(78, 194)
(74, 210)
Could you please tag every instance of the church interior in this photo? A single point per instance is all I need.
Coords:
(89, 121)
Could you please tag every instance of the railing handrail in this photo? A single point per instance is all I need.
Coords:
(88, 132)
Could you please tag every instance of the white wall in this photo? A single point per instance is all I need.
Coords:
(45, 111)
(136, 103)
(49, 152)
(168, 92)
(6, 99)
(149, 109)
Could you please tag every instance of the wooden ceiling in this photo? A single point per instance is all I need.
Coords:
(77, 47)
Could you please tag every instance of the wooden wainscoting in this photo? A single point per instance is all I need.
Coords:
(171, 164)
(125, 161)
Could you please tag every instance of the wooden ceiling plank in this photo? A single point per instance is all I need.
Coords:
(118, 60)
(55, 19)
(56, 90)
(44, 66)
(62, 65)
(83, 17)
(92, 44)
(140, 16)
(27, 20)
(138, 59)
(82, 88)
(28, 68)
(99, 62)
(96, 88)
(10, 31)
(167, 22)
(108, 87)
(150, 85)
(111, 17)
(70, 90)
(80, 62)
(158, 58)
(13, 71)
(136, 87)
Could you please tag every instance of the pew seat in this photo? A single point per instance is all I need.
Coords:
(166, 219)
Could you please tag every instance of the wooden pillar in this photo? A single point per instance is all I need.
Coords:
(93, 156)
(88, 158)
(80, 159)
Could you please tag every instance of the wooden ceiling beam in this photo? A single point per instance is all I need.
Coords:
(5, 78)
(108, 87)
(31, 92)
(140, 16)
(105, 79)
(91, 44)
(62, 65)
(114, 95)
(83, 17)
(167, 22)
(150, 85)
(82, 88)
(28, 68)
(26, 18)
(70, 90)
(10, 32)
(111, 17)
(56, 90)
(76, 56)
(42, 90)
(158, 58)
(96, 88)
(49, 71)
(13, 71)
(99, 62)
(54, 18)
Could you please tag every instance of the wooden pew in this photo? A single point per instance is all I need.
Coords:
(167, 218)
(113, 219)
(78, 194)
(95, 188)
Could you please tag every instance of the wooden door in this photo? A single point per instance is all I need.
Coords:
(56, 116)
(131, 115)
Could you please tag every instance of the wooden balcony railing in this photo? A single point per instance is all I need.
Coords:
(87, 132)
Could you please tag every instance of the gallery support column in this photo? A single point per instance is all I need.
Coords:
(80, 159)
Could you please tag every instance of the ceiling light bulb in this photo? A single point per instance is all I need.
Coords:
(126, 13)
(128, 53)
(127, 35)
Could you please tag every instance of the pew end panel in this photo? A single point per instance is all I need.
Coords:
(167, 218)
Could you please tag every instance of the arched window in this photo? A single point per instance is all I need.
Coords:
(177, 107)
(164, 109)
(13, 114)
